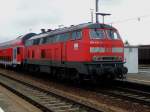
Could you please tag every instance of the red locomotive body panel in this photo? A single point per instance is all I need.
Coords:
(68, 51)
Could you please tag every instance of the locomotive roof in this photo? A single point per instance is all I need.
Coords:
(71, 28)
(16, 41)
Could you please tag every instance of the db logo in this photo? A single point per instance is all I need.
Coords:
(76, 46)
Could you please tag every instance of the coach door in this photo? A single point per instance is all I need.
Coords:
(14, 55)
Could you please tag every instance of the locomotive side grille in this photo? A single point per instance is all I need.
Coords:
(107, 58)
(97, 49)
(102, 49)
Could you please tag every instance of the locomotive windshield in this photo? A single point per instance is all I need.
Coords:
(101, 34)
(112, 34)
(96, 34)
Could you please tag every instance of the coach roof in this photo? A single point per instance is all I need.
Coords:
(71, 28)
(18, 40)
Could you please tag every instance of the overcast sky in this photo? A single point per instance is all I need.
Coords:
(130, 17)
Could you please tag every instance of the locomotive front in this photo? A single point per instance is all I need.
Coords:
(106, 51)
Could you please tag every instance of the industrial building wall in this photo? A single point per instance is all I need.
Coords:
(131, 57)
(144, 55)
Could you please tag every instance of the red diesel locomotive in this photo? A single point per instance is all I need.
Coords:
(90, 51)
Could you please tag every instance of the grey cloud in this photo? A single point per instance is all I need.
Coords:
(111, 2)
(35, 19)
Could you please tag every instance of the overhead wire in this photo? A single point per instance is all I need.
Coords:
(138, 18)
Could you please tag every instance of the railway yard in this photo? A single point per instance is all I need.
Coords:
(36, 93)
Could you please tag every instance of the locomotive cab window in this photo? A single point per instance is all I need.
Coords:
(97, 34)
(112, 34)
(76, 35)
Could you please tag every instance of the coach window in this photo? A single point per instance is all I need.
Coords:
(76, 35)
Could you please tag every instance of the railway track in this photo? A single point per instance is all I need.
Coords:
(45, 100)
(133, 92)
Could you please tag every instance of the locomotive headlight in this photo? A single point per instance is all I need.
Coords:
(117, 49)
(97, 49)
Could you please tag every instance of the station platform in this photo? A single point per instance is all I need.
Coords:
(9, 102)
(143, 76)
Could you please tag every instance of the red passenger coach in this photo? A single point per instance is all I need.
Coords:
(86, 51)
(12, 52)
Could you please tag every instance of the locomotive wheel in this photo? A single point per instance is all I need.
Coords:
(111, 76)
(75, 77)
(53, 73)
(94, 79)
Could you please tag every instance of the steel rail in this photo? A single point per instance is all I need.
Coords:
(45, 100)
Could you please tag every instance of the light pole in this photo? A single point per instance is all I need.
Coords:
(102, 14)
(97, 8)
(92, 15)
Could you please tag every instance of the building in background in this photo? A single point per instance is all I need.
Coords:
(131, 58)
(144, 55)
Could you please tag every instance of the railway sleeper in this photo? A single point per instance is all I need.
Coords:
(63, 108)
(61, 103)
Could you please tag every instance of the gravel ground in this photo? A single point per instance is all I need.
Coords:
(106, 103)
